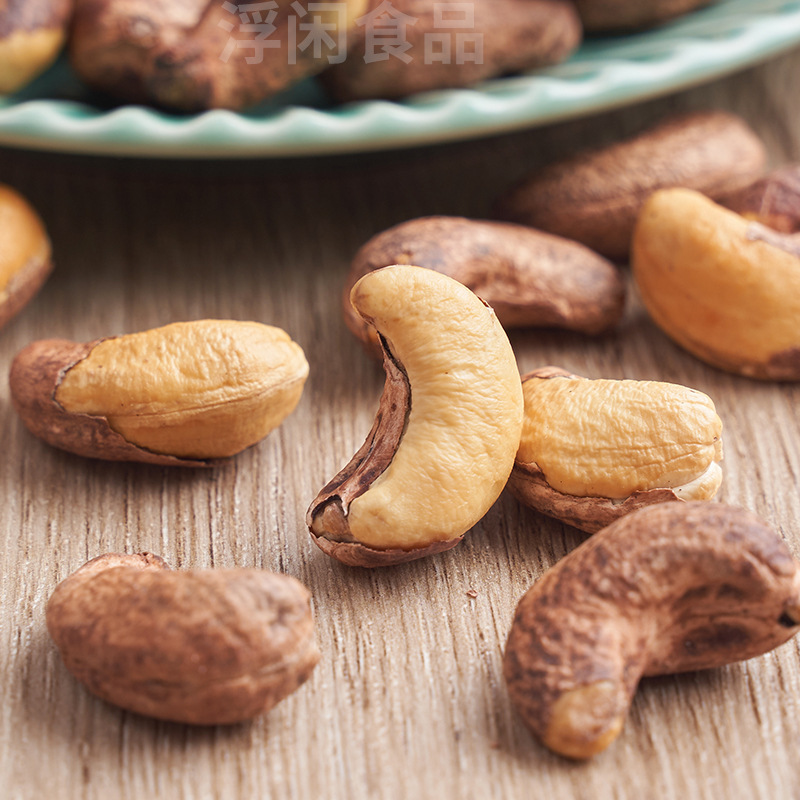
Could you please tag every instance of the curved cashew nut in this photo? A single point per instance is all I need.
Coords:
(669, 588)
(592, 451)
(528, 277)
(724, 288)
(444, 438)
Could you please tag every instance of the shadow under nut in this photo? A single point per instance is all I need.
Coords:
(206, 647)
(595, 197)
(529, 278)
(670, 588)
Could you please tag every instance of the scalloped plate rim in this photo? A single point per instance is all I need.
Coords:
(495, 107)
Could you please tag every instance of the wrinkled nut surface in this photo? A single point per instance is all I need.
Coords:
(444, 438)
(529, 278)
(622, 15)
(189, 55)
(773, 200)
(595, 197)
(32, 33)
(724, 288)
(514, 35)
(181, 394)
(205, 647)
(25, 254)
(670, 588)
(592, 451)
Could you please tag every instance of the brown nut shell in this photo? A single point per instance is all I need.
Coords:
(529, 278)
(592, 451)
(32, 33)
(627, 15)
(199, 54)
(504, 36)
(25, 253)
(185, 394)
(724, 288)
(208, 647)
(672, 588)
(595, 196)
(773, 200)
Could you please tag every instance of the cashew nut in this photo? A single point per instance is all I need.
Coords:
(207, 647)
(25, 254)
(724, 288)
(444, 438)
(529, 278)
(594, 450)
(669, 588)
(180, 394)
(595, 197)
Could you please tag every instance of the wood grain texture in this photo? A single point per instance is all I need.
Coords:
(408, 700)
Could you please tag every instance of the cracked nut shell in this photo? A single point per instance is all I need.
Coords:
(592, 451)
(529, 278)
(671, 588)
(182, 394)
(444, 438)
(206, 647)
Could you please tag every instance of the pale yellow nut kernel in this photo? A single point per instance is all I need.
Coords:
(205, 389)
(606, 438)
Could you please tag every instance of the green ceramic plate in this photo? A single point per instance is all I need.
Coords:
(57, 113)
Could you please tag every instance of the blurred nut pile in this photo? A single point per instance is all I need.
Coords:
(667, 582)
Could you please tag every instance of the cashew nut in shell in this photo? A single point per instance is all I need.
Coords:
(206, 647)
(199, 54)
(725, 288)
(444, 438)
(25, 253)
(592, 451)
(493, 38)
(529, 278)
(670, 588)
(181, 394)
(773, 200)
(32, 33)
(594, 197)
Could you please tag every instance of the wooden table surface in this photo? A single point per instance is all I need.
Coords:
(408, 700)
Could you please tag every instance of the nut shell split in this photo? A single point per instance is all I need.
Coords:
(184, 394)
(593, 451)
(444, 438)
(672, 588)
(208, 647)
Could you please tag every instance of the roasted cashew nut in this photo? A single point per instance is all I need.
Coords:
(205, 647)
(725, 288)
(444, 438)
(670, 588)
(592, 451)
